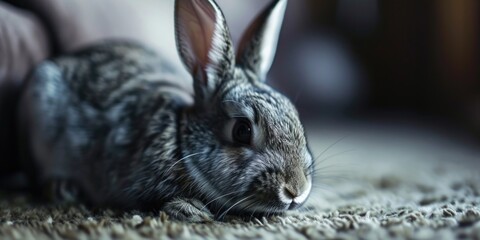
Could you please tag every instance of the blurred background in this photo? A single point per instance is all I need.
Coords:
(342, 62)
(397, 60)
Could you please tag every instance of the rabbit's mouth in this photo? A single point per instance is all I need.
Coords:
(264, 203)
(275, 193)
(285, 198)
(257, 207)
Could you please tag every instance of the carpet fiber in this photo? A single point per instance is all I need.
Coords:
(369, 185)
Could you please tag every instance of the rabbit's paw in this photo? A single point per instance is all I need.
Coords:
(190, 210)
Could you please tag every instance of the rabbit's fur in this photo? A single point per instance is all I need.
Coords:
(112, 124)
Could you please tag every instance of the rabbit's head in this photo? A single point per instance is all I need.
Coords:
(243, 143)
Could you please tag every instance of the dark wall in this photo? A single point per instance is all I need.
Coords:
(414, 57)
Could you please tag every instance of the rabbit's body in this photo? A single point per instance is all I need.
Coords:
(98, 118)
(117, 123)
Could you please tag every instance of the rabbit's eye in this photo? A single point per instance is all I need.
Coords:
(242, 131)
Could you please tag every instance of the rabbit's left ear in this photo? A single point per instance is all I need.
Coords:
(259, 42)
(204, 44)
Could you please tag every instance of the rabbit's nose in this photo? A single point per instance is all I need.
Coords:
(294, 195)
(290, 192)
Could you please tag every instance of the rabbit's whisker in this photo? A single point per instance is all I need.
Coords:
(181, 159)
(328, 148)
(222, 196)
(238, 202)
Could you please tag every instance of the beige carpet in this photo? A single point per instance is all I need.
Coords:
(372, 184)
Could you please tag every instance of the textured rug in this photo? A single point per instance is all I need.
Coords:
(371, 184)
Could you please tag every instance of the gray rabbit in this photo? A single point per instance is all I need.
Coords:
(114, 126)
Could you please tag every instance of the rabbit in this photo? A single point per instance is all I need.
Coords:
(113, 125)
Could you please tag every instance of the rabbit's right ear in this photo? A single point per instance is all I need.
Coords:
(259, 42)
(204, 44)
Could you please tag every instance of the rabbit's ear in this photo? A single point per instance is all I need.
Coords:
(204, 43)
(259, 42)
